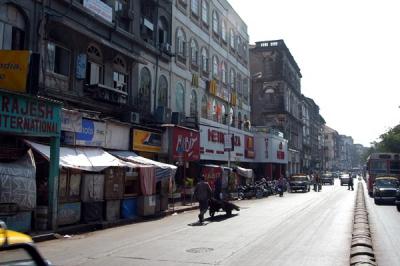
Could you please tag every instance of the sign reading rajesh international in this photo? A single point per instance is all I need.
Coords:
(14, 69)
(28, 115)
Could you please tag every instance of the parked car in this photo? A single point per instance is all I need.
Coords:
(327, 178)
(344, 179)
(384, 189)
(398, 199)
(299, 182)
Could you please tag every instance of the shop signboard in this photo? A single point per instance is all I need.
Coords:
(186, 144)
(270, 148)
(214, 142)
(29, 115)
(71, 120)
(117, 136)
(146, 141)
(249, 147)
(99, 8)
(93, 133)
(14, 69)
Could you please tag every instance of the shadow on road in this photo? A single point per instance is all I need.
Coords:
(217, 218)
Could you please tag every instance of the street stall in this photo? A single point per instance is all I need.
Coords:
(155, 179)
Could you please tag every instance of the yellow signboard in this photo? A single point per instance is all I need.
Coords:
(146, 141)
(14, 69)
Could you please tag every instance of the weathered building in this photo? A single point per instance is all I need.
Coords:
(276, 95)
(331, 149)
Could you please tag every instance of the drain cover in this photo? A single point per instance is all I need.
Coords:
(199, 250)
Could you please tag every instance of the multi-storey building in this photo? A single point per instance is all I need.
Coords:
(346, 150)
(276, 95)
(210, 76)
(331, 149)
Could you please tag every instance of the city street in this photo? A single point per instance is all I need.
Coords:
(298, 229)
(385, 227)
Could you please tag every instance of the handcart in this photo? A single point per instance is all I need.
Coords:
(221, 206)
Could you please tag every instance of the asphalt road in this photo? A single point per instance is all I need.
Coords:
(385, 229)
(299, 229)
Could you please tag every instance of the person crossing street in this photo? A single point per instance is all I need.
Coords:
(202, 194)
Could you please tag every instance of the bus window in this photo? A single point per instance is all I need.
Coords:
(378, 167)
(395, 167)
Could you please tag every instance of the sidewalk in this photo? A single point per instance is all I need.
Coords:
(40, 236)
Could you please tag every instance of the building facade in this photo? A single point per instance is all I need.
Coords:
(331, 149)
(276, 95)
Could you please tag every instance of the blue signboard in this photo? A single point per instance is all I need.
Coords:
(93, 134)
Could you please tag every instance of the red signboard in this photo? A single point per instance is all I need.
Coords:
(186, 144)
(249, 147)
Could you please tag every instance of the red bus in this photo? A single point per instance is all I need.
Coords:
(381, 164)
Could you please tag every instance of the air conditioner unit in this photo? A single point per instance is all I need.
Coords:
(163, 115)
(134, 118)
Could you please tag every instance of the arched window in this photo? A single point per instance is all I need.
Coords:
(162, 92)
(204, 59)
(215, 67)
(224, 114)
(232, 79)
(232, 38)
(204, 107)
(144, 93)
(215, 22)
(233, 117)
(204, 12)
(240, 120)
(120, 77)
(224, 73)
(223, 31)
(180, 43)
(194, 7)
(194, 51)
(193, 103)
(94, 67)
(163, 30)
(12, 28)
(180, 98)
(214, 110)
(239, 84)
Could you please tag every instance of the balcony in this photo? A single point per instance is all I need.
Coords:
(107, 94)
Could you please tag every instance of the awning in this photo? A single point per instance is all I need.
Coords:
(163, 170)
(244, 172)
(81, 158)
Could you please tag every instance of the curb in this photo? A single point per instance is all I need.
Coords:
(90, 227)
(361, 252)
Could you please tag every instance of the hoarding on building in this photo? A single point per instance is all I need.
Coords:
(14, 69)
(146, 141)
(93, 134)
(212, 144)
(249, 147)
(270, 148)
(185, 144)
(29, 115)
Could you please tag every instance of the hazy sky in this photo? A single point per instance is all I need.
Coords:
(348, 52)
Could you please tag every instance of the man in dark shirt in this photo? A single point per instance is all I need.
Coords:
(202, 194)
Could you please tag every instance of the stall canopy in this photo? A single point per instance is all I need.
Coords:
(81, 158)
(162, 170)
(244, 172)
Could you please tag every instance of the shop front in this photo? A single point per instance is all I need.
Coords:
(271, 155)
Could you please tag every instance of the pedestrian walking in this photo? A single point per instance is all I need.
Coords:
(350, 185)
(202, 194)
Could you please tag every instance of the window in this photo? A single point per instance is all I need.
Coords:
(180, 98)
(162, 31)
(224, 114)
(239, 84)
(94, 68)
(214, 110)
(246, 90)
(223, 31)
(232, 38)
(204, 107)
(12, 28)
(240, 120)
(193, 103)
(224, 73)
(58, 59)
(233, 118)
(180, 43)
(204, 12)
(194, 7)
(162, 92)
(144, 96)
(215, 67)
(119, 76)
(204, 59)
(215, 22)
(232, 79)
(194, 51)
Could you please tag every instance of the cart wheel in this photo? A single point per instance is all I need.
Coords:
(212, 213)
(229, 212)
